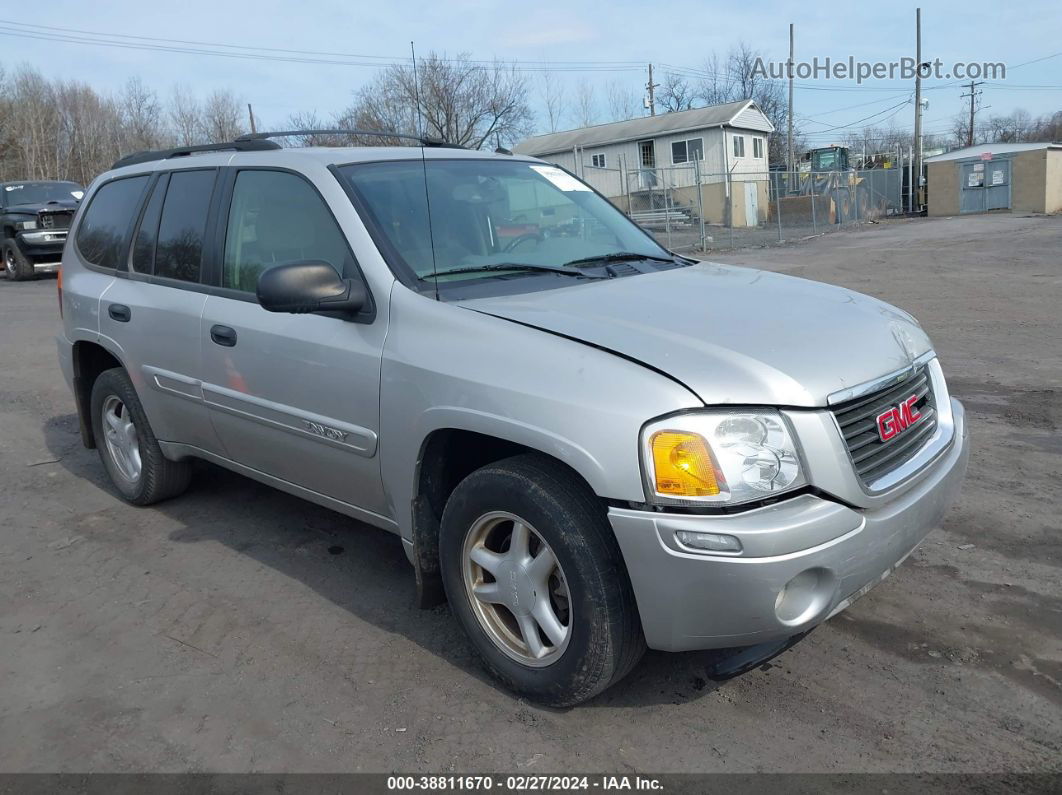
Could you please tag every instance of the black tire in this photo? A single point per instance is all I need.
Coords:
(606, 639)
(159, 477)
(17, 267)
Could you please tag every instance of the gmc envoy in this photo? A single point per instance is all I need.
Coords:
(589, 445)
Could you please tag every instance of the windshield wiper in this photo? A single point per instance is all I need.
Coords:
(617, 256)
(513, 266)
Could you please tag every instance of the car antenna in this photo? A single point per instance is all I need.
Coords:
(416, 91)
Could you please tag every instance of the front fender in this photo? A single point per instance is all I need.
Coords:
(448, 367)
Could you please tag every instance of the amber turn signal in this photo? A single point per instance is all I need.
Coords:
(683, 465)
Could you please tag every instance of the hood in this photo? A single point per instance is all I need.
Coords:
(731, 335)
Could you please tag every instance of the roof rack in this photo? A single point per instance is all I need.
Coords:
(423, 140)
(183, 151)
(260, 142)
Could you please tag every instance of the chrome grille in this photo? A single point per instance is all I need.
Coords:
(857, 419)
(55, 219)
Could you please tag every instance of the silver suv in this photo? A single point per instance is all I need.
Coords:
(587, 444)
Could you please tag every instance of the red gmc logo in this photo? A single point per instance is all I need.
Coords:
(898, 419)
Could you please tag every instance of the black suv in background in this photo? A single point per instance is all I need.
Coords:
(34, 218)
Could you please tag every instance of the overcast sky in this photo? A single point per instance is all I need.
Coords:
(553, 31)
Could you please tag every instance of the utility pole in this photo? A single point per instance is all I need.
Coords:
(250, 115)
(973, 98)
(789, 115)
(916, 170)
(651, 86)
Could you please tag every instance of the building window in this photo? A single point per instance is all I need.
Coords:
(739, 146)
(757, 148)
(597, 161)
(688, 150)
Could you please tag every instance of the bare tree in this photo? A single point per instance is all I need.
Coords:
(676, 93)
(459, 101)
(735, 78)
(585, 104)
(309, 120)
(1047, 128)
(552, 94)
(874, 140)
(185, 117)
(222, 116)
(622, 101)
(90, 130)
(716, 86)
(141, 116)
(1007, 129)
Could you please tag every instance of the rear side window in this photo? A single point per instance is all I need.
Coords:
(104, 232)
(179, 248)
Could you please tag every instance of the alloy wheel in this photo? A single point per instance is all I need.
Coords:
(120, 436)
(517, 589)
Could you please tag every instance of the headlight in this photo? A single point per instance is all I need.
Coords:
(716, 457)
(21, 225)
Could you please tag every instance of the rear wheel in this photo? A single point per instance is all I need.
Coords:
(16, 266)
(535, 577)
(127, 446)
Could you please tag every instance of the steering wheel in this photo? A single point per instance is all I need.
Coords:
(516, 241)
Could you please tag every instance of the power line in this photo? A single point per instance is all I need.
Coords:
(104, 36)
(292, 59)
(850, 107)
(14, 29)
(1037, 60)
(906, 101)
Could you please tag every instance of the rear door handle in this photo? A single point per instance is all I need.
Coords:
(120, 312)
(223, 335)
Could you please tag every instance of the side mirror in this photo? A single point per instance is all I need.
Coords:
(312, 286)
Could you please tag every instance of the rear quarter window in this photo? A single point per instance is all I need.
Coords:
(103, 234)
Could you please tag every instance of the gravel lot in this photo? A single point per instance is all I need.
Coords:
(240, 629)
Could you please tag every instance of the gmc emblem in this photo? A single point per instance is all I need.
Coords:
(898, 419)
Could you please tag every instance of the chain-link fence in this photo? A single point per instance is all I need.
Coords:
(689, 209)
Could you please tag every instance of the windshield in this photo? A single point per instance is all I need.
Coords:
(825, 161)
(460, 220)
(39, 192)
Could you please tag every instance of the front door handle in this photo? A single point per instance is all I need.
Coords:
(223, 335)
(120, 312)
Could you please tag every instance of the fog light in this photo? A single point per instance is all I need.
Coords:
(709, 542)
(805, 596)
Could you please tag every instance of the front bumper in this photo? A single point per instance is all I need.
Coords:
(42, 247)
(823, 555)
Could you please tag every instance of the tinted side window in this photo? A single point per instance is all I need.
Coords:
(179, 250)
(104, 231)
(277, 217)
(144, 241)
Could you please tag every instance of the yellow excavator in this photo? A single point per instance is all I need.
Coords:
(827, 173)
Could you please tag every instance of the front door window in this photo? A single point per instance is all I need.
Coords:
(277, 217)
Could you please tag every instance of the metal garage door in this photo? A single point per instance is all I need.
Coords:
(985, 186)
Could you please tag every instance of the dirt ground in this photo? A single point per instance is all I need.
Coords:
(240, 629)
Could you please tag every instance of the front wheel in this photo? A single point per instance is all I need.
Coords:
(16, 266)
(534, 575)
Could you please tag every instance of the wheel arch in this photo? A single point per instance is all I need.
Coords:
(447, 455)
(90, 359)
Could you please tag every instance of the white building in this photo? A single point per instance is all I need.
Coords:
(631, 160)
